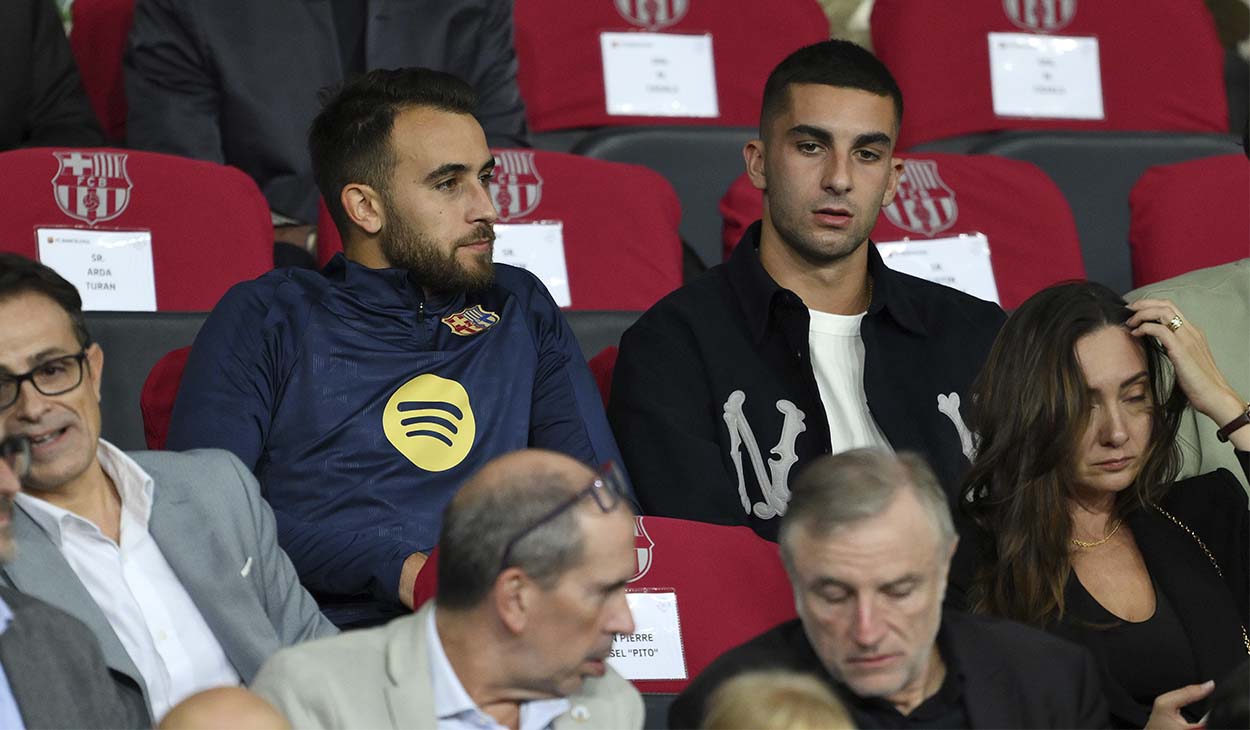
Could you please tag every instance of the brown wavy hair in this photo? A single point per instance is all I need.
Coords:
(1030, 409)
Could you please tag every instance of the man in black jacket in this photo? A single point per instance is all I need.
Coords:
(867, 543)
(804, 343)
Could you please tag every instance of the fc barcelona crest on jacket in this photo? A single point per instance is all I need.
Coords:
(923, 204)
(515, 186)
(471, 321)
(91, 186)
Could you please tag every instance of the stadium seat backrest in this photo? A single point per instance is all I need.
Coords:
(209, 223)
(1160, 60)
(156, 401)
(730, 585)
(1033, 240)
(98, 40)
(601, 366)
(560, 64)
(1189, 215)
(621, 241)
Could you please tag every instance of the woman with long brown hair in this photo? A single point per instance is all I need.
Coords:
(1086, 533)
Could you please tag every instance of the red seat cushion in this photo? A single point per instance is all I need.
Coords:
(156, 400)
(1169, 236)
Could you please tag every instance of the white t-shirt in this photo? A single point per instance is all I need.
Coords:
(838, 363)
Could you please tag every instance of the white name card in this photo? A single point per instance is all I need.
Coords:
(654, 650)
(659, 74)
(539, 249)
(1053, 77)
(961, 262)
(112, 270)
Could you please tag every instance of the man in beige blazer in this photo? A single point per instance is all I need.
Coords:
(534, 555)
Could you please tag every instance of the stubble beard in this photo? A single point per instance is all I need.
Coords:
(432, 267)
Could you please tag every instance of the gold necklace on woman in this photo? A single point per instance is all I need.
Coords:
(1096, 543)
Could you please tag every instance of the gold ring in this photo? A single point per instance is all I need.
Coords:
(1175, 323)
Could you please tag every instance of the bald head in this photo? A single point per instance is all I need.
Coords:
(506, 497)
(232, 707)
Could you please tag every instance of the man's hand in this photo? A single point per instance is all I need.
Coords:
(1166, 714)
(408, 577)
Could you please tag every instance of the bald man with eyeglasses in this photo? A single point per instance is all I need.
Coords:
(170, 559)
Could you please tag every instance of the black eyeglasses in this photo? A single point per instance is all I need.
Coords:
(607, 490)
(54, 377)
(15, 451)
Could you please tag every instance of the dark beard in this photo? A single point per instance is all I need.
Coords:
(406, 248)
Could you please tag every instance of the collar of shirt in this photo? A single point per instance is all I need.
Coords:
(134, 487)
(6, 616)
(948, 697)
(452, 701)
(759, 293)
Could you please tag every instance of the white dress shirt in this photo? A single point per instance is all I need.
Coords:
(143, 600)
(838, 364)
(454, 708)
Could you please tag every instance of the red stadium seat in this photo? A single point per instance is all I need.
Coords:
(560, 65)
(1161, 63)
(621, 243)
(601, 366)
(730, 586)
(1189, 215)
(156, 400)
(209, 223)
(1033, 241)
(98, 40)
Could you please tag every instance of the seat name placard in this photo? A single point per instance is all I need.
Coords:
(1044, 76)
(654, 650)
(659, 75)
(112, 270)
(539, 249)
(961, 262)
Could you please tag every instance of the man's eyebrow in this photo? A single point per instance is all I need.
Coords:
(872, 138)
(806, 130)
(828, 582)
(40, 357)
(487, 166)
(899, 582)
(451, 168)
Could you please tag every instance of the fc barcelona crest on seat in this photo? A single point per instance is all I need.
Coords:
(515, 185)
(91, 186)
(923, 204)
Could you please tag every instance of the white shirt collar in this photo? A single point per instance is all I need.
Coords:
(451, 700)
(134, 487)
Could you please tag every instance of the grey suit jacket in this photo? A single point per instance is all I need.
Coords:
(55, 670)
(380, 678)
(218, 536)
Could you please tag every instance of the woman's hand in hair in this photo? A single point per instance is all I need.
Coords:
(1166, 713)
(1197, 373)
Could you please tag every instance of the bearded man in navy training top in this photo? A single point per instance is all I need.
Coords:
(362, 396)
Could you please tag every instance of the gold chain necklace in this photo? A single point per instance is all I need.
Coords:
(1244, 637)
(1096, 543)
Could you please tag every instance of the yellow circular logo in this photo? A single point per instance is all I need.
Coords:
(429, 421)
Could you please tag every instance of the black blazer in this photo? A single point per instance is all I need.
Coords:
(1014, 676)
(1212, 608)
(57, 673)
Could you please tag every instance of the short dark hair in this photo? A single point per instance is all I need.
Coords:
(832, 63)
(20, 275)
(350, 139)
(478, 525)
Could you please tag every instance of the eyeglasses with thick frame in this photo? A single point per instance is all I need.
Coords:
(607, 490)
(52, 377)
(15, 451)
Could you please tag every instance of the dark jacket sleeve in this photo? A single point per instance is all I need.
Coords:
(665, 422)
(43, 89)
(172, 96)
(226, 400)
(500, 108)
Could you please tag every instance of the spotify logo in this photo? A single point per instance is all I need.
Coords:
(430, 421)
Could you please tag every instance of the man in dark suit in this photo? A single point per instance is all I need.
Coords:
(867, 542)
(42, 102)
(52, 673)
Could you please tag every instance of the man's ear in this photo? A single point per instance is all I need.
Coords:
(513, 597)
(753, 156)
(363, 205)
(891, 187)
(95, 365)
